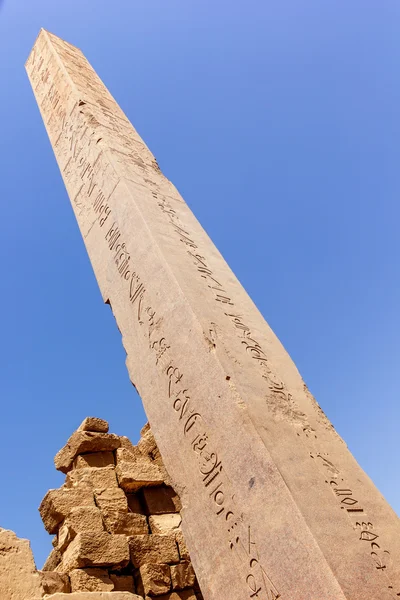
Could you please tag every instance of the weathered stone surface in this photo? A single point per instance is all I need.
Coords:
(53, 560)
(80, 519)
(182, 576)
(111, 500)
(183, 595)
(93, 477)
(90, 580)
(160, 500)
(147, 444)
(144, 429)
(126, 443)
(95, 550)
(57, 504)
(126, 523)
(96, 596)
(156, 578)
(239, 432)
(84, 441)
(164, 523)
(183, 550)
(94, 424)
(19, 579)
(123, 583)
(94, 459)
(153, 549)
(53, 582)
(134, 475)
(126, 454)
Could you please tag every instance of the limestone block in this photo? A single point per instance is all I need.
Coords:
(181, 595)
(94, 424)
(135, 504)
(132, 454)
(94, 477)
(153, 549)
(94, 459)
(134, 475)
(90, 580)
(53, 560)
(147, 443)
(183, 550)
(164, 523)
(126, 523)
(156, 578)
(53, 582)
(98, 596)
(80, 519)
(160, 500)
(126, 443)
(81, 442)
(123, 583)
(95, 550)
(19, 579)
(144, 429)
(57, 504)
(111, 500)
(182, 576)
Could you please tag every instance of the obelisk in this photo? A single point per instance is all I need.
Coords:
(274, 504)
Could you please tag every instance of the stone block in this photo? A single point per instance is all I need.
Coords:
(19, 579)
(93, 477)
(160, 500)
(97, 596)
(53, 582)
(144, 429)
(183, 550)
(181, 595)
(94, 424)
(126, 523)
(57, 504)
(94, 459)
(147, 443)
(95, 550)
(111, 500)
(123, 583)
(90, 580)
(135, 504)
(156, 578)
(129, 455)
(182, 576)
(153, 549)
(52, 561)
(81, 519)
(164, 523)
(134, 475)
(81, 442)
(126, 443)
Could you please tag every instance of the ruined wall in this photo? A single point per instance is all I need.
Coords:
(116, 526)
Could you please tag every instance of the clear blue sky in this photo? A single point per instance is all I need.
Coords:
(278, 121)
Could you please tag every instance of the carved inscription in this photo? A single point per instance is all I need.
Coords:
(282, 400)
(365, 530)
(82, 174)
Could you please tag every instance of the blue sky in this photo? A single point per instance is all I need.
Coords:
(278, 122)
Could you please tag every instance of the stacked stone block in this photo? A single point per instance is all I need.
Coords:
(116, 520)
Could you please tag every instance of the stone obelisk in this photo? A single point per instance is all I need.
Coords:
(274, 504)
